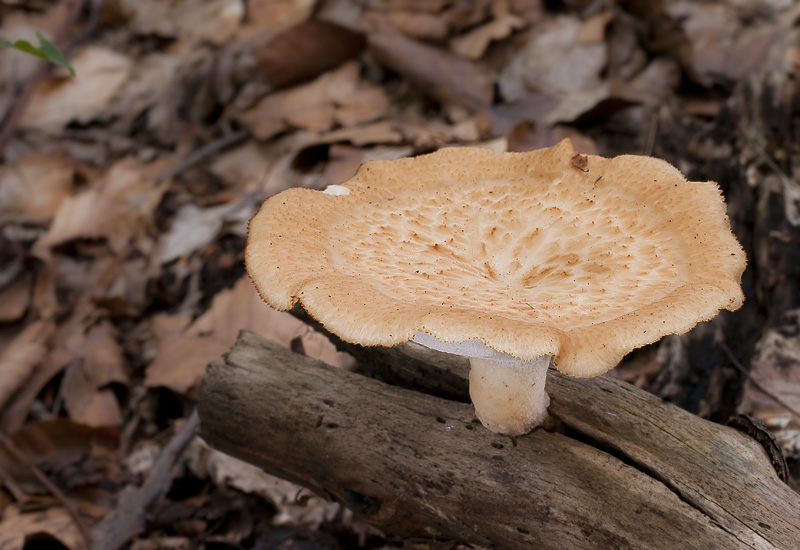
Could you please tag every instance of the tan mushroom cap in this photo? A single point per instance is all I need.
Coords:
(524, 251)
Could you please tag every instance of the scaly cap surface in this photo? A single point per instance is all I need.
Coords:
(524, 251)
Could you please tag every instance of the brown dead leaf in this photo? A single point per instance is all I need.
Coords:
(118, 208)
(58, 447)
(100, 73)
(15, 299)
(16, 527)
(181, 359)
(278, 14)
(425, 26)
(310, 106)
(473, 44)
(20, 359)
(344, 160)
(383, 132)
(580, 162)
(213, 20)
(85, 390)
(446, 77)
(35, 185)
(335, 97)
(307, 50)
(156, 90)
(528, 136)
(366, 103)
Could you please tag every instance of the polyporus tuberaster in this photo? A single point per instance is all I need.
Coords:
(512, 259)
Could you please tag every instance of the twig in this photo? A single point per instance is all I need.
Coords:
(763, 389)
(201, 154)
(651, 134)
(20, 457)
(128, 518)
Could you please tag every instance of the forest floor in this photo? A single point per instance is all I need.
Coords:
(125, 194)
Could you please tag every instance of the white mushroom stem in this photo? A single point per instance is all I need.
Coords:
(509, 396)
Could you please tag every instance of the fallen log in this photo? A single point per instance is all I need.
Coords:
(614, 468)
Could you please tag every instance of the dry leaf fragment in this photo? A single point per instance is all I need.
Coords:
(307, 50)
(119, 208)
(35, 185)
(580, 162)
(100, 73)
(192, 228)
(183, 355)
(335, 97)
(721, 47)
(212, 20)
(598, 102)
(367, 103)
(554, 62)
(227, 471)
(425, 26)
(310, 106)
(278, 14)
(473, 44)
(382, 132)
(15, 298)
(21, 357)
(87, 397)
(59, 446)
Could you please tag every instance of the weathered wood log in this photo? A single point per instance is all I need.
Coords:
(616, 468)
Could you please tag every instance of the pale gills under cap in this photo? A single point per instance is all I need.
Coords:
(525, 251)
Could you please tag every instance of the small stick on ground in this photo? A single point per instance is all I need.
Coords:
(9, 445)
(761, 387)
(127, 520)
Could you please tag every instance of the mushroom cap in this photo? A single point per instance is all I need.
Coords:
(532, 253)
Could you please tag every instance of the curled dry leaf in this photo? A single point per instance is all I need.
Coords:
(182, 355)
(473, 44)
(100, 73)
(21, 357)
(119, 208)
(335, 97)
(85, 387)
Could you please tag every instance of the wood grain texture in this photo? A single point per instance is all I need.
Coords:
(615, 468)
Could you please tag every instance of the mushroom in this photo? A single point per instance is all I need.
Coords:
(516, 260)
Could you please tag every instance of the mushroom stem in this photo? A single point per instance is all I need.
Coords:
(509, 396)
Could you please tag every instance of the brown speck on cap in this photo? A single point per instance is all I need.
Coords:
(537, 243)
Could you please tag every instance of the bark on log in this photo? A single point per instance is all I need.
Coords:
(617, 468)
